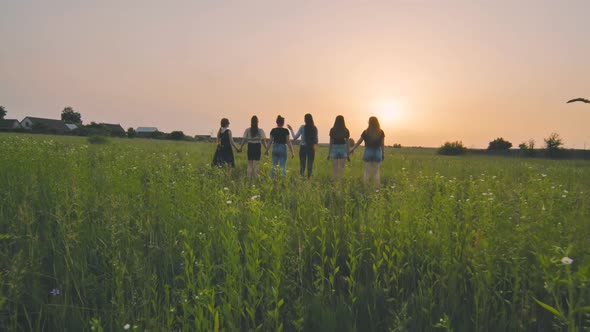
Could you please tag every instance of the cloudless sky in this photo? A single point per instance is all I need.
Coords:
(431, 71)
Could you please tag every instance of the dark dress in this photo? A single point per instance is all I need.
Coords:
(224, 154)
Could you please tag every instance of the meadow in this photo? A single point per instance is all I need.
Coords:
(137, 234)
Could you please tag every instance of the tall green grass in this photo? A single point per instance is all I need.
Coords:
(146, 233)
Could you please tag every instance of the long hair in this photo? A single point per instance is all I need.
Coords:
(374, 129)
(339, 129)
(254, 126)
(224, 124)
(310, 131)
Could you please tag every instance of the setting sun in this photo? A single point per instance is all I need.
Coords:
(388, 111)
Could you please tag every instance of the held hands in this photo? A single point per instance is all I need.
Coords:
(290, 128)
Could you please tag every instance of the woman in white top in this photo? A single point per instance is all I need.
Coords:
(255, 138)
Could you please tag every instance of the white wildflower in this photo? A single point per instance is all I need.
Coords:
(126, 327)
(228, 202)
(567, 261)
(226, 188)
(255, 197)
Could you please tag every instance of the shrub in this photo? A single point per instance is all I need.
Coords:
(499, 144)
(97, 139)
(452, 148)
(176, 135)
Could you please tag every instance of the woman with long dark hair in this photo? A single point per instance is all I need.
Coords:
(338, 150)
(374, 139)
(309, 140)
(256, 139)
(224, 155)
(279, 141)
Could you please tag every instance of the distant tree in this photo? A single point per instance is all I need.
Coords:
(499, 144)
(397, 146)
(157, 135)
(68, 115)
(527, 149)
(131, 133)
(452, 148)
(2, 112)
(553, 146)
(176, 135)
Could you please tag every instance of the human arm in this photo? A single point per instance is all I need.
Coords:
(356, 145)
(244, 139)
(290, 147)
(298, 133)
(382, 146)
(231, 141)
(270, 141)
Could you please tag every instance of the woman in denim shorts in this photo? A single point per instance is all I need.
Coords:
(374, 139)
(338, 150)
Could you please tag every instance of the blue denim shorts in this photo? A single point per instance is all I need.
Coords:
(338, 151)
(373, 154)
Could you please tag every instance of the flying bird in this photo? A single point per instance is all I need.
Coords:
(578, 99)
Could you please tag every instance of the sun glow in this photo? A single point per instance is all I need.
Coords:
(388, 111)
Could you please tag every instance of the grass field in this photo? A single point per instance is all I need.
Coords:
(145, 235)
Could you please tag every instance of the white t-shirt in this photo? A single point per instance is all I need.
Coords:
(256, 139)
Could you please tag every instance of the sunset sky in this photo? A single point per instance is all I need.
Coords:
(431, 71)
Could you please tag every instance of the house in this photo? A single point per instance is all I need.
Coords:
(204, 138)
(45, 125)
(72, 126)
(147, 131)
(114, 129)
(9, 124)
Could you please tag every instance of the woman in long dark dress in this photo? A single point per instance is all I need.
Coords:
(224, 154)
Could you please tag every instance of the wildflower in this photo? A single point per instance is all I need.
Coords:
(430, 232)
(543, 175)
(126, 326)
(54, 292)
(255, 197)
(226, 188)
(567, 261)
(228, 202)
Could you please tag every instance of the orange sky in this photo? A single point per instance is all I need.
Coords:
(432, 71)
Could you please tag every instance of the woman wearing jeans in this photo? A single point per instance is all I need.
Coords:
(279, 140)
(309, 139)
(374, 139)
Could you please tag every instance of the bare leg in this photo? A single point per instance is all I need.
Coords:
(249, 169)
(256, 167)
(341, 163)
(367, 172)
(335, 169)
(376, 174)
